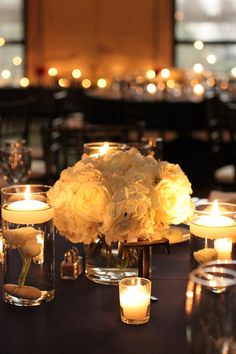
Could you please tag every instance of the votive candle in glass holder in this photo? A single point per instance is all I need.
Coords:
(213, 233)
(135, 295)
(96, 149)
(28, 239)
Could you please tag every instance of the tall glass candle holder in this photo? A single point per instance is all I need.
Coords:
(96, 149)
(28, 239)
(213, 233)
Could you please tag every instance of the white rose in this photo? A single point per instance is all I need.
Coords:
(174, 173)
(90, 201)
(19, 237)
(172, 203)
(129, 216)
(31, 249)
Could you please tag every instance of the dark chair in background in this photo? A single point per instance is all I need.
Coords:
(15, 119)
(73, 139)
(54, 152)
(63, 141)
(215, 144)
(15, 125)
(225, 176)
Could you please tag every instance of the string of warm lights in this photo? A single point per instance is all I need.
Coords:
(154, 81)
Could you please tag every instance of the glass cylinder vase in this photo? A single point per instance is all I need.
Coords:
(213, 233)
(108, 264)
(28, 239)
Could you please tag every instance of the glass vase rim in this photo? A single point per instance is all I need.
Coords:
(136, 145)
(146, 282)
(197, 209)
(193, 276)
(219, 262)
(5, 189)
(101, 143)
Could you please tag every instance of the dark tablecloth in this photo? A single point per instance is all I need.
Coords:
(84, 316)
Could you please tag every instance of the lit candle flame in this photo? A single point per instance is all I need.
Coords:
(215, 208)
(27, 192)
(104, 149)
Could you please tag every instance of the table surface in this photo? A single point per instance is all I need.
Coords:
(84, 316)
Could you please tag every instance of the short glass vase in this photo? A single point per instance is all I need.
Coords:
(108, 264)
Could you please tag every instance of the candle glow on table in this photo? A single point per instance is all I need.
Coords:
(215, 223)
(27, 210)
(223, 248)
(135, 300)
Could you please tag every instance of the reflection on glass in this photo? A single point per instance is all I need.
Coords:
(211, 310)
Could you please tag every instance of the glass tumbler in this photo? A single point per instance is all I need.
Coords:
(15, 162)
(211, 309)
(28, 243)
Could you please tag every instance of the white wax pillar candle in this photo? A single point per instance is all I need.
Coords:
(135, 301)
(223, 248)
(27, 212)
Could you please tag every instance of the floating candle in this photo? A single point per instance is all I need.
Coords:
(214, 223)
(27, 211)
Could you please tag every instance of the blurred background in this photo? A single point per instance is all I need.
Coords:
(74, 71)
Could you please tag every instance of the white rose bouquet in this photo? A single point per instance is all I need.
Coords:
(123, 196)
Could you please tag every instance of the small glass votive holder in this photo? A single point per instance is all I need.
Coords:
(135, 295)
(96, 149)
(28, 245)
(212, 233)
